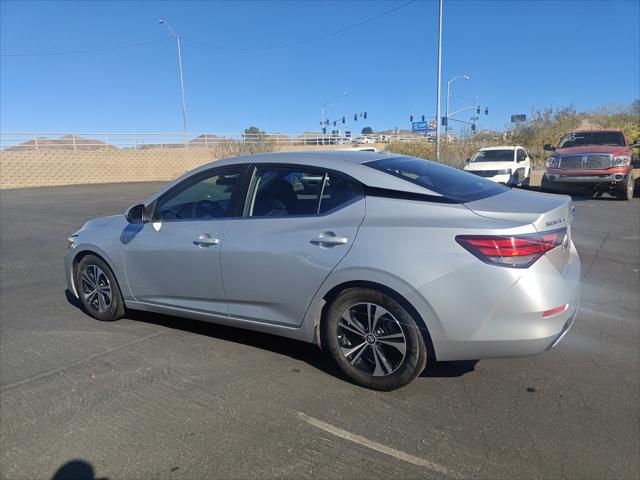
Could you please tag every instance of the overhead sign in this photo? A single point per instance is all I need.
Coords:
(518, 118)
(422, 126)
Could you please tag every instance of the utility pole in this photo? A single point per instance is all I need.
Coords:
(439, 80)
(184, 104)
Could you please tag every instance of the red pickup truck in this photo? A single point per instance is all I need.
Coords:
(597, 160)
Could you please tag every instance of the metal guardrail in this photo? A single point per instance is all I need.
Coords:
(95, 140)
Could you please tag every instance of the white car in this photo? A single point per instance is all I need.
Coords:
(364, 140)
(509, 165)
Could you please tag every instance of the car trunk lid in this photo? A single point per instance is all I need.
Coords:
(543, 210)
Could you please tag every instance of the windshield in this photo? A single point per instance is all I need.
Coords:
(449, 182)
(583, 139)
(493, 156)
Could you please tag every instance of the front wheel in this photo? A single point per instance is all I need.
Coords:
(98, 290)
(373, 340)
(624, 188)
(547, 186)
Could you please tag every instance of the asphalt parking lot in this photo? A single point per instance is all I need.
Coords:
(152, 396)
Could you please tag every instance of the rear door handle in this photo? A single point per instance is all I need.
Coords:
(205, 240)
(329, 239)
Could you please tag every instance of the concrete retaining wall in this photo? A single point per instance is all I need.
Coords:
(31, 168)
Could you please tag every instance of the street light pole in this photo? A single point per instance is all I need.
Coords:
(345, 94)
(439, 80)
(184, 104)
(466, 77)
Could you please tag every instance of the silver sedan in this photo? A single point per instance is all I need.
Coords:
(387, 262)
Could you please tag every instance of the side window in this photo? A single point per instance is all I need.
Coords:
(339, 191)
(205, 198)
(521, 155)
(284, 191)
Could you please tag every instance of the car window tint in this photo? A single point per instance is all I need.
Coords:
(285, 192)
(505, 155)
(451, 183)
(521, 155)
(207, 198)
(339, 191)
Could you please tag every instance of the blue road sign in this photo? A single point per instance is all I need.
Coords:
(419, 126)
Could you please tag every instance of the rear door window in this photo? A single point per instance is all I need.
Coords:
(453, 184)
(284, 191)
(339, 191)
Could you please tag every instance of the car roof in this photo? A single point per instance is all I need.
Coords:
(501, 147)
(587, 130)
(348, 162)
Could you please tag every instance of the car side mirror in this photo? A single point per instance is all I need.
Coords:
(548, 147)
(136, 214)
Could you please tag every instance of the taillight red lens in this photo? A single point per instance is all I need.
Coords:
(518, 251)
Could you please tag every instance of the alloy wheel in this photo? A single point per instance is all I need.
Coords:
(96, 288)
(371, 339)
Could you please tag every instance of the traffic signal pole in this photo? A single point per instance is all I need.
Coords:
(439, 80)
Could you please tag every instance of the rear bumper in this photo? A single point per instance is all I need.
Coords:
(499, 311)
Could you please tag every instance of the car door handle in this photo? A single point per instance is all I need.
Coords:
(205, 240)
(329, 239)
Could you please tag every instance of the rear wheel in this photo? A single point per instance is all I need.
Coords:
(373, 339)
(98, 290)
(624, 188)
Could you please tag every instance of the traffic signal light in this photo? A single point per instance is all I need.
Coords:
(324, 130)
(423, 118)
(445, 121)
(473, 127)
(411, 118)
(365, 115)
(334, 124)
(477, 110)
(486, 110)
(326, 122)
(344, 120)
(355, 117)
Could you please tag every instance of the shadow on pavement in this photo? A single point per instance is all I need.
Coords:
(450, 369)
(295, 349)
(76, 470)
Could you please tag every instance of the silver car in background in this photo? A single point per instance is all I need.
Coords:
(387, 262)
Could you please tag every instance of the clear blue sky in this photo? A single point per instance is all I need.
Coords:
(520, 54)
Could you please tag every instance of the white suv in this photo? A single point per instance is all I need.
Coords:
(509, 165)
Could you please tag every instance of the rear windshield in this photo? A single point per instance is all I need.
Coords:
(493, 156)
(449, 182)
(583, 139)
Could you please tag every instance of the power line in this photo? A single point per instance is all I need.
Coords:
(77, 52)
(217, 47)
(308, 40)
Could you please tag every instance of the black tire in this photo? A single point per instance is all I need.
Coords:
(92, 271)
(394, 368)
(625, 187)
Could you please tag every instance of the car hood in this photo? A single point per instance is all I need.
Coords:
(544, 210)
(488, 166)
(590, 149)
(100, 221)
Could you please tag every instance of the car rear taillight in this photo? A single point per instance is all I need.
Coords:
(516, 251)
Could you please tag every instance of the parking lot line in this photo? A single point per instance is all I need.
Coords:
(405, 457)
